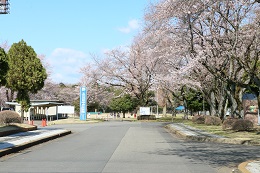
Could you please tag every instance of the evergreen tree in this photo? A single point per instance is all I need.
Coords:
(26, 73)
(124, 104)
(3, 67)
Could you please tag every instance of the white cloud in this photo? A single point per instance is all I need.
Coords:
(66, 64)
(132, 25)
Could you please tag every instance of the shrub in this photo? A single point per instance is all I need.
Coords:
(242, 125)
(7, 117)
(227, 124)
(146, 117)
(198, 119)
(212, 120)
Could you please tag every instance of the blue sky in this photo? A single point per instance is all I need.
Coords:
(68, 31)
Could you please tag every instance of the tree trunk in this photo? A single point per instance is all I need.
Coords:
(213, 108)
(222, 106)
(22, 115)
(185, 110)
(173, 105)
(225, 109)
(231, 95)
(164, 110)
(239, 95)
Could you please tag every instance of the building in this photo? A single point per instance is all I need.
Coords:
(40, 109)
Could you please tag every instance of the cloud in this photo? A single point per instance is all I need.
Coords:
(132, 25)
(65, 64)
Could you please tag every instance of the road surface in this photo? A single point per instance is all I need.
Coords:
(126, 147)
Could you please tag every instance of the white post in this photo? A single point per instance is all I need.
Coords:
(29, 116)
(46, 111)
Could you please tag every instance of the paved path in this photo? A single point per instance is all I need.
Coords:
(187, 132)
(147, 148)
(151, 147)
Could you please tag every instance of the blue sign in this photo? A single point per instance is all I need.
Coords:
(180, 108)
(83, 103)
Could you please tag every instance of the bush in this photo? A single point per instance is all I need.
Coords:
(212, 120)
(146, 117)
(227, 124)
(8, 117)
(242, 125)
(198, 119)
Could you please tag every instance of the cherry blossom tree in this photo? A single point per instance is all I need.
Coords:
(98, 94)
(131, 69)
(209, 35)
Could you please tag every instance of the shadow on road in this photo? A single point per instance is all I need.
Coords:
(217, 155)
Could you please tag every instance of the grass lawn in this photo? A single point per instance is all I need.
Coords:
(253, 135)
(15, 128)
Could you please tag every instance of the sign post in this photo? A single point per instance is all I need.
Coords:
(83, 103)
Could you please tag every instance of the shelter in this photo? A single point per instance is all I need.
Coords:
(40, 109)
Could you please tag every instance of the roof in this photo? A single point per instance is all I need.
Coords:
(45, 104)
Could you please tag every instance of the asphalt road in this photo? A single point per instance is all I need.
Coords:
(133, 147)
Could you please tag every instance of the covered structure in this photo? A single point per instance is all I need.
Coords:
(40, 109)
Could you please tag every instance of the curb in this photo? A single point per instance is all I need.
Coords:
(237, 141)
(17, 148)
(242, 167)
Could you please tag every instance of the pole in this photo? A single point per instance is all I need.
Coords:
(203, 106)
(157, 102)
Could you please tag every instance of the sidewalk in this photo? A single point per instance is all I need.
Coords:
(22, 140)
(188, 132)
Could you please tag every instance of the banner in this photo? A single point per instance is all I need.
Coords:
(83, 103)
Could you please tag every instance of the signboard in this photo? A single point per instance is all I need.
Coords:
(83, 103)
(144, 110)
(65, 109)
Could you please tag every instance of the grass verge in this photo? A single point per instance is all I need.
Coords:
(253, 135)
(15, 128)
